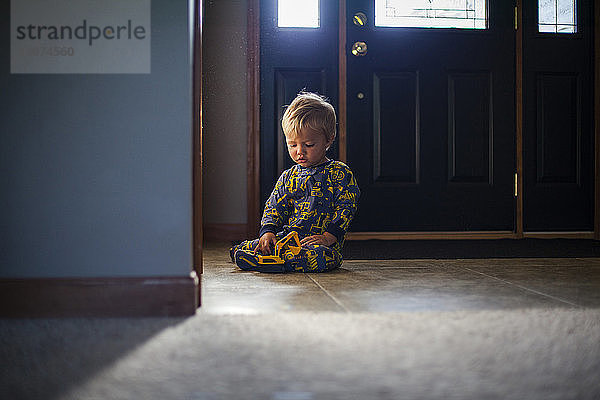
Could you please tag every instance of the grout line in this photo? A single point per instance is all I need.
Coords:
(332, 297)
(524, 288)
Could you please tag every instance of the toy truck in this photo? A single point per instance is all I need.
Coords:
(285, 249)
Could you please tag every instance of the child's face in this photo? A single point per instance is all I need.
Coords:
(308, 148)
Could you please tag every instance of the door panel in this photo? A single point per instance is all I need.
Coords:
(431, 124)
(470, 128)
(558, 135)
(396, 128)
(558, 129)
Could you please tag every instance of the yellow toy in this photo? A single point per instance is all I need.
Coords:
(285, 249)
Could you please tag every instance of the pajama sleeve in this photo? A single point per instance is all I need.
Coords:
(277, 208)
(346, 194)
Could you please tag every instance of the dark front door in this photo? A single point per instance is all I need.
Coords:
(431, 122)
(558, 145)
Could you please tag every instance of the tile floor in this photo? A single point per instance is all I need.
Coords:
(403, 285)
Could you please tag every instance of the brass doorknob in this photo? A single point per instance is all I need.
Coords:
(359, 49)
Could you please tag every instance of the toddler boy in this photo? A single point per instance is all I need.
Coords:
(317, 197)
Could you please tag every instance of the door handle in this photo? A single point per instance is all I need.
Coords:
(359, 49)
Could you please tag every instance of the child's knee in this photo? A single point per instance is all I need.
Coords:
(322, 259)
(245, 260)
(249, 245)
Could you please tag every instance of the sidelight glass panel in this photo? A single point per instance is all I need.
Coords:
(298, 13)
(464, 14)
(557, 16)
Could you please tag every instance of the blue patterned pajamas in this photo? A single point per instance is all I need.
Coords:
(310, 201)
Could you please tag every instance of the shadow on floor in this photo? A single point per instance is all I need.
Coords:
(44, 358)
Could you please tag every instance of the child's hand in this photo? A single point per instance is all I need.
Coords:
(326, 239)
(265, 242)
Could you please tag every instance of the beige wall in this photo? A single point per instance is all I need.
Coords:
(224, 111)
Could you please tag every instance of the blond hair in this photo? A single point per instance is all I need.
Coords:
(309, 111)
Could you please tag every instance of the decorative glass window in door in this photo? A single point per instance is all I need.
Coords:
(464, 14)
(298, 13)
(557, 16)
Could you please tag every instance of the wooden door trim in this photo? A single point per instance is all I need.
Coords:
(253, 119)
(596, 23)
(519, 119)
(197, 139)
(342, 75)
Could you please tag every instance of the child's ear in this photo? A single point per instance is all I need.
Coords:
(329, 144)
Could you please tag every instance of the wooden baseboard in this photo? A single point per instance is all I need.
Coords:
(474, 235)
(226, 232)
(99, 297)
(430, 235)
(559, 235)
